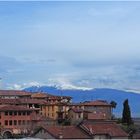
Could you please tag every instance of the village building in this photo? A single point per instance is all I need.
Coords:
(100, 130)
(91, 110)
(99, 107)
(16, 119)
(14, 94)
(51, 98)
(60, 132)
(104, 129)
(75, 115)
(41, 114)
(56, 111)
(50, 106)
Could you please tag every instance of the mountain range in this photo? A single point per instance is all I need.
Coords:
(96, 94)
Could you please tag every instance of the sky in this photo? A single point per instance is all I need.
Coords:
(73, 45)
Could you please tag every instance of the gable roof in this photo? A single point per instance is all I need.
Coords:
(112, 129)
(40, 95)
(68, 132)
(77, 110)
(14, 93)
(96, 103)
(49, 96)
(22, 101)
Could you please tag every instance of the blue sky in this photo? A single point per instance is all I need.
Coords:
(79, 45)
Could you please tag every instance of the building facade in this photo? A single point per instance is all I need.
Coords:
(16, 119)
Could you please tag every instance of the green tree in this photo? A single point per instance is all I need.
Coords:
(126, 115)
(114, 104)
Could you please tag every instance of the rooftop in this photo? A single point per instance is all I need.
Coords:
(76, 110)
(14, 93)
(40, 95)
(109, 128)
(96, 103)
(49, 96)
(68, 132)
(22, 101)
(4, 108)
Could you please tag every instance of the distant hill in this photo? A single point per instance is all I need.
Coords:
(103, 93)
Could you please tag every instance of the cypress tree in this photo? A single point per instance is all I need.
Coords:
(126, 116)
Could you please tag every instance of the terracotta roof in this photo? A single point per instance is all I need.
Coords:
(111, 129)
(76, 110)
(68, 132)
(32, 94)
(14, 108)
(75, 104)
(48, 96)
(59, 97)
(22, 101)
(57, 103)
(40, 95)
(14, 92)
(96, 103)
(31, 101)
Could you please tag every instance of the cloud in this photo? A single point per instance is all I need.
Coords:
(24, 85)
(132, 90)
(123, 77)
(60, 83)
(33, 83)
(14, 87)
(65, 83)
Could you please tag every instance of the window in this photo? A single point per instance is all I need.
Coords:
(24, 113)
(15, 113)
(52, 114)
(10, 122)
(6, 122)
(28, 113)
(10, 113)
(19, 113)
(6, 113)
(23, 122)
(15, 122)
(19, 122)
